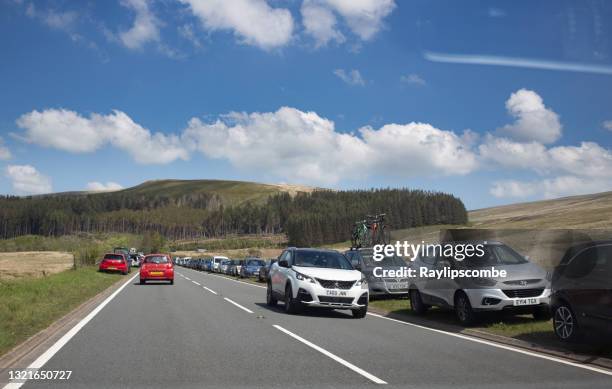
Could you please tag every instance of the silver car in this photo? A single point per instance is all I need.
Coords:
(525, 289)
(362, 259)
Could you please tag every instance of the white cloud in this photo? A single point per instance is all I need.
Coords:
(60, 20)
(145, 28)
(320, 23)
(413, 79)
(351, 77)
(254, 22)
(5, 153)
(69, 131)
(187, 31)
(549, 188)
(607, 124)
(27, 180)
(299, 145)
(101, 187)
(364, 17)
(534, 122)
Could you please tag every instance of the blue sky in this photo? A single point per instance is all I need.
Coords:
(332, 93)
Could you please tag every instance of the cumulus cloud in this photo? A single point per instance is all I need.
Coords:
(351, 77)
(145, 28)
(267, 142)
(67, 130)
(5, 153)
(320, 23)
(363, 17)
(534, 121)
(27, 180)
(607, 125)
(101, 187)
(549, 188)
(413, 79)
(253, 22)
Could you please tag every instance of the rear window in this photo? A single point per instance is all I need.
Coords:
(113, 256)
(255, 262)
(156, 259)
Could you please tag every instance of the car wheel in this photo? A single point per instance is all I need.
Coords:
(291, 306)
(270, 299)
(143, 281)
(124, 273)
(360, 313)
(171, 282)
(416, 303)
(565, 324)
(541, 313)
(463, 310)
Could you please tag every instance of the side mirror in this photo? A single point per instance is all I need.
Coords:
(283, 263)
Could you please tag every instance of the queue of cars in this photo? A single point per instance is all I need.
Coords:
(577, 294)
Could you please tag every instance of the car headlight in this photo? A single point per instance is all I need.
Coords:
(362, 282)
(304, 277)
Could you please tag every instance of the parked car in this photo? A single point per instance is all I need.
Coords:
(126, 253)
(157, 267)
(525, 289)
(114, 262)
(263, 272)
(582, 292)
(317, 278)
(251, 267)
(235, 267)
(135, 259)
(217, 259)
(207, 266)
(224, 266)
(362, 260)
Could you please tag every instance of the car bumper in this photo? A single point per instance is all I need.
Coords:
(250, 273)
(114, 268)
(314, 295)
(151, 275)
(497, 300)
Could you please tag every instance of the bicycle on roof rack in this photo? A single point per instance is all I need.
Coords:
(370, 231)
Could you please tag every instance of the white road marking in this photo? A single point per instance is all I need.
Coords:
(238, 305)
(336, 358)
(210, 290)
(196, 282)
(238, 281)
(498, 345)
(57, 346)
(188, 279)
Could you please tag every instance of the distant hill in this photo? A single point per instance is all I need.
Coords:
(585, 211)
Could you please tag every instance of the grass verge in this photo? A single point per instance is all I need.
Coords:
(32, 304)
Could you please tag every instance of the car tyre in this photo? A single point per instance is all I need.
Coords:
(416, 302)
(463, 310)
(565, 323)
(541, 313)
(291, 306)
(143, 281)
(270, 299)
(360, 313)
(171, 282)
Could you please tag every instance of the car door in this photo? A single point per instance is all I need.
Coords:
(278, 274)
(442, 290)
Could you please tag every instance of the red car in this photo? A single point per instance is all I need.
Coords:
(114, 262)
(157, 267)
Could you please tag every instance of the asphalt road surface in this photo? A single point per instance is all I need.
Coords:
(209, 331)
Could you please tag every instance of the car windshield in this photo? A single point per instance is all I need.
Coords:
(113, 256)
(387, 261)
(495, 255)
(255, 262)
(156, 259)
(325, 259)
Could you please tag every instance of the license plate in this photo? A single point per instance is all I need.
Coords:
(527, 301)
(335, 292)
(111, 268)
(156, 273)
(398, 285)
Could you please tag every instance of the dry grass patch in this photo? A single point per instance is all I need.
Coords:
(33, 264)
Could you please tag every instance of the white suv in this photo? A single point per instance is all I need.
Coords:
(317, 278)
(216, 263)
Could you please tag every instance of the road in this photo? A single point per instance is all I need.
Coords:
(210, 331)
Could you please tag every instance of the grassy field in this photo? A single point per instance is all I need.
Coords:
(31, 304)
(33, 264)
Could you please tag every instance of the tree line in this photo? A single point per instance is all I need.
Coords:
(319, 217)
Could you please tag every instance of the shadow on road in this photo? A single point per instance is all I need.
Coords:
(310, 312)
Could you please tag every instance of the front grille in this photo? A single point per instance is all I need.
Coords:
(336, 300)
(520, 293)
(330, 284)
(523, 282)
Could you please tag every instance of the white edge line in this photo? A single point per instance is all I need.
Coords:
(57, 346)
(210, 290)
(336, 358)
(230, 279)
(238, 305)
(498, 345)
